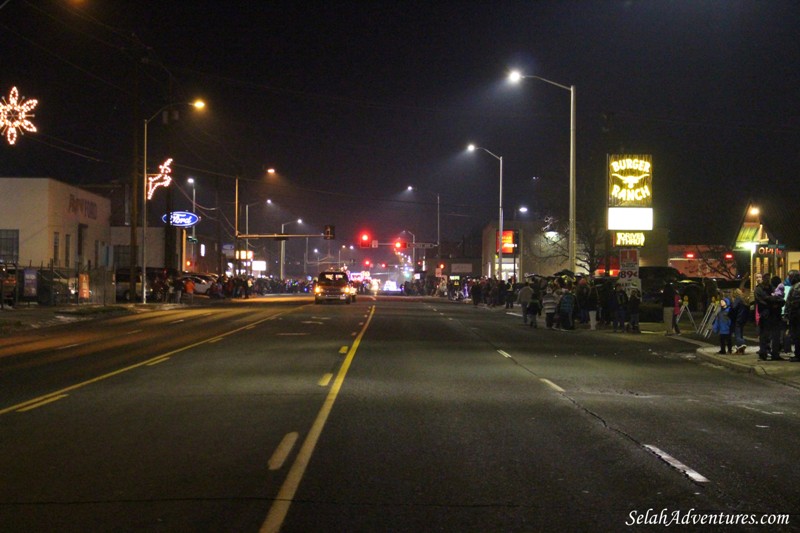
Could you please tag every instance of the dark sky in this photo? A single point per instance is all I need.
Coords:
(353, 101)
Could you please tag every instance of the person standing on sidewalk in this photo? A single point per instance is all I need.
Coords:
(739, 314)
(188, 288)
(524, 299)
(768, 306)
(592, 301)
(549, 302)
(619, 308)
(668, 307)
(793, 314)
(633, 310)
(722, 326)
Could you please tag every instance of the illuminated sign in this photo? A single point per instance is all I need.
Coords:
(770, 249)
(509, 242)
(628, 238)
(182, 219)
(630, 181)
(630, 218)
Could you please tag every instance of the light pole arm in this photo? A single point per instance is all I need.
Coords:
(551, 82)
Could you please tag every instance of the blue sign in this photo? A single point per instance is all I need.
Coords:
(183, 219)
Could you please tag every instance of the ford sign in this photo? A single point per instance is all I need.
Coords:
(183, 219)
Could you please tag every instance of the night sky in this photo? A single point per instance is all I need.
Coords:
(351, 102)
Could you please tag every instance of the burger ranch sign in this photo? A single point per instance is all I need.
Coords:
(630, 181)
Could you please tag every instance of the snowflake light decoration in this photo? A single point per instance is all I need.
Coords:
(162, 179)
(14, 115)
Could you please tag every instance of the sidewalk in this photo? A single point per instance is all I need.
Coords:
(33, 316)
(783, 371)
(748, 362)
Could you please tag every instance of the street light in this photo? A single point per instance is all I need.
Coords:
(344, 247)
(516, 76)
(283, 246)
(472, 148)
(438, 225)
(197, 104)
(191, 182)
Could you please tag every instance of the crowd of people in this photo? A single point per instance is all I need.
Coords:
(562, 302)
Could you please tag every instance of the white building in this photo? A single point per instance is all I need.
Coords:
(44, 221)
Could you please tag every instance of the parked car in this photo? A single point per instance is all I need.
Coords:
(201, 284)
(653, 279)
(55, 286)
(8, 278)
(122, 279)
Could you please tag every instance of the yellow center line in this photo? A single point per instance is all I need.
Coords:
(43, 402)
(280, 508)
(62, 392)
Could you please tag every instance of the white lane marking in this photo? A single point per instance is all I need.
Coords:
(292, 334)
(504, 354)
(177, 321)
(282, 451)
(311, 322)
(551, 384)
(760, 411)
(69, 346)
(693, 474)
(134, 332)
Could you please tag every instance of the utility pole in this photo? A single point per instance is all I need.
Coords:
(134, 195)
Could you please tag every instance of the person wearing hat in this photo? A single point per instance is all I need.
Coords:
(722, 326)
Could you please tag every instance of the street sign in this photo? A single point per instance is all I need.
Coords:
(422, 245)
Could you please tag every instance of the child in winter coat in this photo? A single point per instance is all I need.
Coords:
(722, 326)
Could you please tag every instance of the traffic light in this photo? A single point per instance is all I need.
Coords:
(365, 241)
(366, 263)
(330, 232)
(399, 245)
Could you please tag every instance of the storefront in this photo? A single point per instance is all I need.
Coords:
(44, 222)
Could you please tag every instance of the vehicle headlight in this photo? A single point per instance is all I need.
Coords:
(317, 289)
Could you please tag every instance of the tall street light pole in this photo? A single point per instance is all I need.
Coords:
(472, 148)
(515, 76)
(198, 104)
(283, 247)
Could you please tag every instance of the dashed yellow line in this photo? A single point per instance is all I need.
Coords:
(280, 508)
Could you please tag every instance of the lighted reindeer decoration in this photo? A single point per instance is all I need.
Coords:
(162, 179)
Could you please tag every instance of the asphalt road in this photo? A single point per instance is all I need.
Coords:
(384, 415)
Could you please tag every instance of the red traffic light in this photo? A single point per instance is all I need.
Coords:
(399, 245)
(365, 241)
(366, 262)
